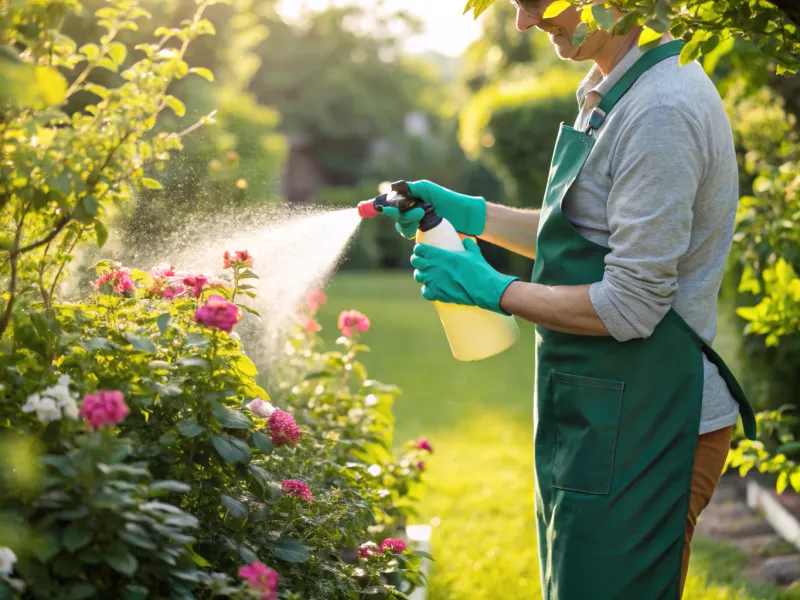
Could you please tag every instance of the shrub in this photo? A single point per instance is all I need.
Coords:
(513, 126)
(179, 471)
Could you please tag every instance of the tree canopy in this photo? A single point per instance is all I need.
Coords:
(706, 25)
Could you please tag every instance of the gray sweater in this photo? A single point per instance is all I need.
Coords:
(660, 189)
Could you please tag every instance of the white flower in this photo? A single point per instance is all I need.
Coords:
(70, 409)
(64, 381)
(31, 404)
(261, 409)
(7, 560)
(48, 411)
(375, 470)
(371, 400)
(384, 493)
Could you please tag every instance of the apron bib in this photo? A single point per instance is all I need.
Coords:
(616, 423)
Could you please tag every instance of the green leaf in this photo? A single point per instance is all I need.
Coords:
(232, 419)
(580, 35)
(247, 309)
(603, 16)
(163, 322)
(100, 233)
(260, 475)
(98, 90)
(794, 480)
(190, 429)
(79, 591)
(91, 51)
(118, 52)
(199, 560)
(151, 184)
(230, 449)
(178, 107)
(194, 361)
(140, 343)
(262, 442)
(290, 550)
(137, 540)
(121, 561)
(235, 508)
(626, 23)
(556, 8)
(90, 205)
(691, 51)
(649, 36)
(245, 365)
(135, 592)
(248, 275)
(203, 72)
(247, 555)
(107, 63)
(76, 536)
(170, 486)
(62, 463)
(197, 340)
(783, 482)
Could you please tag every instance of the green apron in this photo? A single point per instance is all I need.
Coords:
(616, 423)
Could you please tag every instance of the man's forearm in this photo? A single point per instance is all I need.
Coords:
(512, 228)
(564, 308)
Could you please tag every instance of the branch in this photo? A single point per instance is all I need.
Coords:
(14, 252)
(12, 288)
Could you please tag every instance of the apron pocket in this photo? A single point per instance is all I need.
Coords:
(587, 414)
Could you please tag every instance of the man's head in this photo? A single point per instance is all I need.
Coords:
(560, 29)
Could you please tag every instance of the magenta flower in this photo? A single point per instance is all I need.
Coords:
(315, 299)
(259, 576)
(218, 313)
(421, 465)
(283, 429)
(261, 408)
(240, 259)
(173, 291)
(104, 408)
(119, 280)
(424, 444)
(368, 549)
(197, 283)
(296, 489)
(352, 319)
(392, 545)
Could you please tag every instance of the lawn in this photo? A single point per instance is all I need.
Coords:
(479, 419)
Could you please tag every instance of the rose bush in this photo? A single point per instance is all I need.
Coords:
(176, 475)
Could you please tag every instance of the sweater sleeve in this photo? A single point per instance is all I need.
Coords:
(656, 170)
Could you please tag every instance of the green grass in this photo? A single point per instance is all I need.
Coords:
(479, 418)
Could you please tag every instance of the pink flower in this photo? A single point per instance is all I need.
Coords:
(367, 550)
(119, 280)
(310, 325)
(315, 299)
(352, 319)
(296, 489)
(259, 576)
(104, 408)
(163, 271)
(392, 545)
(424, 444)
(283, 429)
(240, 259)
(197, 283)
(421, 465)
(173, 291)
(218, 313)
(260, 408)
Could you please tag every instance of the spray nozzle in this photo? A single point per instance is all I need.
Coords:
(400, 198)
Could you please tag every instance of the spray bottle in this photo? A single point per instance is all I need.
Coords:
(473, 333)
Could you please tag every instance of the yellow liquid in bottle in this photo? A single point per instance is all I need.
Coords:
(473, 333)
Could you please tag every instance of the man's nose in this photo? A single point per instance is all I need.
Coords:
(525, 21)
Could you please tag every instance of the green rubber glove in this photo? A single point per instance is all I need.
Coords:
(466, 213)
(459, 277)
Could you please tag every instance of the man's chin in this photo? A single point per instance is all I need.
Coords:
(565, 51)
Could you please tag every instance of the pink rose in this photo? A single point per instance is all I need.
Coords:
(424, 444)
(163, 271)
(368, 549)
(392, 545)
(197, 283)
(119, 280)
(259, 576)
(315, 299)
(240, 259)
(352, 319)
(218, 313)
(310, 325)
(296, 489)
(104, 408)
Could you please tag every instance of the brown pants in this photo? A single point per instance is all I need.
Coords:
(709, 459)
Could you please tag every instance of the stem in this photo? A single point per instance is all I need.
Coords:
(12, 288)
(14, 252)
(235, 283)
(45, 295)
(61, 268)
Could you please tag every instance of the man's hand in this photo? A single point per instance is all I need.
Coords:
(459, 277)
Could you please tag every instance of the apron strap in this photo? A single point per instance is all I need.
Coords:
(649, 59)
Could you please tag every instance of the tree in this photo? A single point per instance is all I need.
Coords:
(704, 24)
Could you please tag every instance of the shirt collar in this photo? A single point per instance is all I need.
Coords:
(595, 82)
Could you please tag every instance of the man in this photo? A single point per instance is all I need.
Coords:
(634, 411)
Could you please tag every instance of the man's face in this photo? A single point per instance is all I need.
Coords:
(560, 28)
